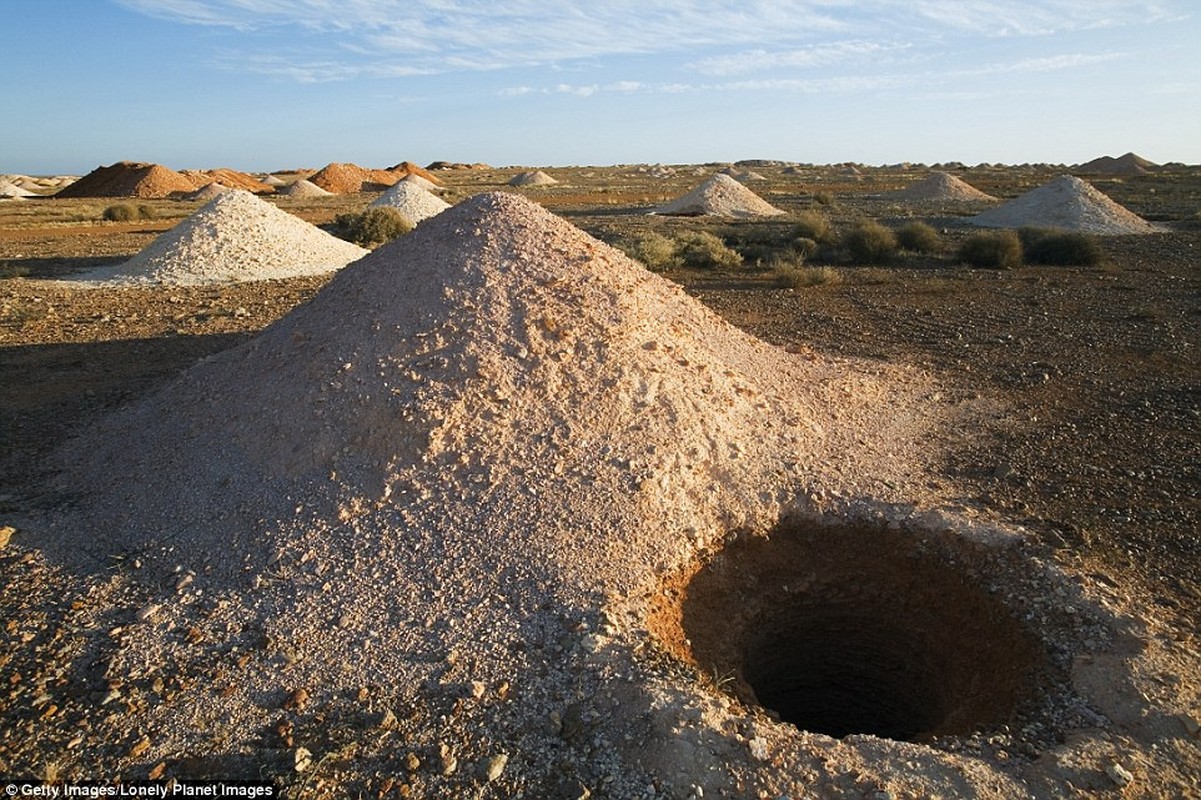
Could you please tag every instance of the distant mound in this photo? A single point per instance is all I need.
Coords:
(129, 179)
(435, 166)
(209, 191)
(345, 178)
(234, 237)
(1069, 204)
(536, 178)
(720, 196)
(940, 186)
(274, 180)
(12, 191)
(416, 180)
(1123, 166)
(413, 202)
(305, 188)
(229, 178)
(405, 168)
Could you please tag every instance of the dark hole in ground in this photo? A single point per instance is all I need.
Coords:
(854, 630)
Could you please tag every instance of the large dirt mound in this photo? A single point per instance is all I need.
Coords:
(941, 186)
(1069, 204)
(431, 477)
(234, 237)
(1125, 166)
(345, 178)
(413, 202)
(129, 179)
(720, 196)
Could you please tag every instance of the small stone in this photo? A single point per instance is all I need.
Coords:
(477, 689)
(140, 747)
(1119, 774)
(388, 721)
(6, 533)
(412, 762)
(758, 749)
(302, 759)
(184, 582)
(148, 612)
(297, 700)
(1191, 725)
(160, 769)
(494, 766)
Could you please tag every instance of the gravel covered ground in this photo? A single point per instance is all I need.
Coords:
(1080, 393)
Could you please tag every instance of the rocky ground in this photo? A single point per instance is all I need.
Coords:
(1085, 384)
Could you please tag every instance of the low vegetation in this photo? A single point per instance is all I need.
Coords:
(128, 212)
(372, 227)
(1059, 248)
(814, 226)
(870, 243)
(918, 237)
(992, 250)
(690, 249)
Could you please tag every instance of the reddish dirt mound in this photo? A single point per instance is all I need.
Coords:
(130, 179)
(1129, 164)
(409, 168)
(229, 178)
(350, 178)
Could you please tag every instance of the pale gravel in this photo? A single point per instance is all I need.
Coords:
(1067, 203)
(456, 477)
(720, 196)
(234, 237)
(412, 201)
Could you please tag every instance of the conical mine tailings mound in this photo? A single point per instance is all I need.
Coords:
(720, 196)
(941, 186)
(234, 237)
(129, 179)
(413, 202)
(532, 178)
(439, 499)
(304, 188)
(343, 178)
(1069, 204)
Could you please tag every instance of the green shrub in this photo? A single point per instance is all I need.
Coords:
(1059, 248)
(870, 243)
(823, 198)
(813, 225)
(918, 237)
(656, 251)
(703, 250)
(994, 249)
(372, 227)
(121, 212)
(805, 248)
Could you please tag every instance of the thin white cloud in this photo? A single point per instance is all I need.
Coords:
(344, 39)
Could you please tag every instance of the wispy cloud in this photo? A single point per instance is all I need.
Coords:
(344, 39)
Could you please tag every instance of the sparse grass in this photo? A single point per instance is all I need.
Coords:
(918, 237)
(656, 251)
(1059, 248)
(870, 243)
(823, 198)
(372, 227)
(793, 275)
(992, 249)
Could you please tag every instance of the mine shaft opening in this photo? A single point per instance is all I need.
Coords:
(853, 630)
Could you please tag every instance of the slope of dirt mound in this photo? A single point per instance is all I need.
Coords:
(129, 179)
(341, 178)
(413, 202)
(720, 196)
(1069, 204)
(304, 188)
(1124, 166)
(11, 190)
(533, 178)
(235, 237)
(229, 178)
(940, 186)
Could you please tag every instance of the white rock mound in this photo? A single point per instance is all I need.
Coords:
(720, 196)
(413, 202)
(1069, 204)
(941, 186)
(234, 237)
(535, 178)
(305, 188)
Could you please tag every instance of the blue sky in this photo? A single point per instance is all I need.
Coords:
(278, 84)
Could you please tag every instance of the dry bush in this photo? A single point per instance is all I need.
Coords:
(1059, 248)
(703, 250)
(918, 237)
(870, 243)
(814, 226)
(992, 249)
(372, 227)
